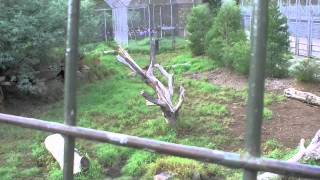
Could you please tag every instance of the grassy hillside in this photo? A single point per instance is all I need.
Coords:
(113, 103)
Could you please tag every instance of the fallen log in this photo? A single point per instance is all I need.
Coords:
(55, 145)
(311, 152)
(302, 96)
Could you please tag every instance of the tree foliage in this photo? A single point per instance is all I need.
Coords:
(278, 43)
(213, 4)
(199, 23)
(226, 39)
(29, 30)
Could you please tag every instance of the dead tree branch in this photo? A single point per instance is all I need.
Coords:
(164, 93)
(304, 153)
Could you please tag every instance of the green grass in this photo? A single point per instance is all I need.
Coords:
(143, 46)
(112, 102)
(267, 114)
(186, 63)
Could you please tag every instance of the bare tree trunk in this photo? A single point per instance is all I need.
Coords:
(164, 93)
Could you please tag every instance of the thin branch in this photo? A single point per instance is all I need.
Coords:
(151, 99)
(168, 76)
(131, 62)
(181, 99)
(123, 61)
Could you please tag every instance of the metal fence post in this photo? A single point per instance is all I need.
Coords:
(72, 56)
(256, 81)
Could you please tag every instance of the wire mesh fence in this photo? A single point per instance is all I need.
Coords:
(304, 24)
(148, 18)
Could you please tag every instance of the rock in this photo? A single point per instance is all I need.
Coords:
(163, 176)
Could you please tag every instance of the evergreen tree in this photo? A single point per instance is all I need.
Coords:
(278, 43)
(213, 4)
(225, 32)
(199, 23)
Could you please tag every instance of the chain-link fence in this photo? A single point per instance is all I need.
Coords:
(304, 24)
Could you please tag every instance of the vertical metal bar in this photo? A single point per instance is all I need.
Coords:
(105, 25)
(309, 46)
(161, 32)
(256, 81)
(171, 22)
(149, 14)
(296, 30)
(72, 56)
(153, 18)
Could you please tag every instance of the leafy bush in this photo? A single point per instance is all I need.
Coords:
(198, 25)
(29, 31)
(213, 4)
(307, 70)
(226, 38)
(278, 43)
(239, 55)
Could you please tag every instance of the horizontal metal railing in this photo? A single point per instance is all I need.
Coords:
(232, 160)
(250, 162)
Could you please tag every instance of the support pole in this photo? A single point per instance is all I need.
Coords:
(149, 14)
(72, 55)
(256, 82)
(296, 29)
(309, 46)
(161, 32)
(105, 26)
(172, 28)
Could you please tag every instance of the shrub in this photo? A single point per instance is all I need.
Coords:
(307, 70)
(278, 43)
(198, 25)
(213, 4)
(224, 35)
(239, 55)
(30, 30)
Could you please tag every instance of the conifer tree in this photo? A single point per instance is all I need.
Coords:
(278, 43)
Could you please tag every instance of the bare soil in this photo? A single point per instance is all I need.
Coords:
(292, 120)
(227, 78)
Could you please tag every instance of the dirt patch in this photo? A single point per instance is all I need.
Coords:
(227, 78)
(292, 120)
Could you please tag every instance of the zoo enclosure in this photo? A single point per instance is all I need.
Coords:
(146, 18)
(304, 24)
(250, 162)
